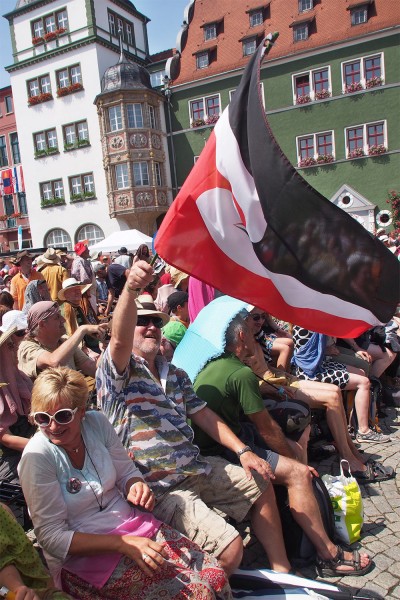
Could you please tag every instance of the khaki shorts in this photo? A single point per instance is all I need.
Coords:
(188, 506)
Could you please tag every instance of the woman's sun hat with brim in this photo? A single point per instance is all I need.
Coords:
(71, 282)
(205, 338)
(13, 321)
(146, 307)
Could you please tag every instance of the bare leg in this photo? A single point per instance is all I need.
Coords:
(361, 384)
(267, 526)
(304, 507)
(300, 447)
(381, 359)
(231, 557)
(282, 349)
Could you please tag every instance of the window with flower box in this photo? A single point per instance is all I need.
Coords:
(76, 135)
(134, 114)
(3, 152)
(115, 118)
(56, 23)
(311, 85)
(52, 192)
(116, 23)
(204, 111)
(140, 173)
(369, 139)
(315, 148)
(39, 87)
(14, 143)
(81, 187)
(121, 176)
(362, 73)
(45, 143)
(69, 80)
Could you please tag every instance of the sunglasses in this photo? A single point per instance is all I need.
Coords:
(62, 417)
(145, 322)
(258, 317)
(20, 333)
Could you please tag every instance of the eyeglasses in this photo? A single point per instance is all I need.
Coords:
(62, 417)
(259, 317)
(20, 333)
(145, 321)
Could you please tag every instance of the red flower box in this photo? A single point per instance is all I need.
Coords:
(51, 35)
(37, 40)
(70, 89)
(33, 100)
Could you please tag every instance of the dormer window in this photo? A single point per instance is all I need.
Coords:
(300, 32)
(359, 11)
(305, 5)
(210, 32)
(256, 18)
(249, 46)
(202, 60)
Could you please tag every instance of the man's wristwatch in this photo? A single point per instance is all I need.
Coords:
(243, 450)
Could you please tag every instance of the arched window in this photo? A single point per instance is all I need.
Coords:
(90, 232)
(58, 238)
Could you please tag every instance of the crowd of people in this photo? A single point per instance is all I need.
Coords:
(137, 413)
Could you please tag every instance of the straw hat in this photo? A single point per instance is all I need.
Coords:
(50, 257)
(145, 306)
(71, 282)
(13, 320)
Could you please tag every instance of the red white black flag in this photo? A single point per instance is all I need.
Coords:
(248, 224)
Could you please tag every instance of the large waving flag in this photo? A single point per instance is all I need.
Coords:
(248, 224)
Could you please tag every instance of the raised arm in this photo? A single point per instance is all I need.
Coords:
(125, 314)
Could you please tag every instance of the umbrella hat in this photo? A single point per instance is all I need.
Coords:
(205, 337)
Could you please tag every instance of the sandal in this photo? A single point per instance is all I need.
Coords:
(375, 472)
(329, 567)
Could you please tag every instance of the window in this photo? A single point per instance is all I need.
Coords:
(359, 15)
(140, 173)
(115, 118)
(312, 85)
(9, 104)
(3, 151)
(205, 108)
(15, 148)
(121, 176)
(49, 23)
(256, 18)
(157, 78)
(157, 174)
(117, 23)
(45, 140)
(202, 60)
(249, 46)
(68, 76)
(9, 205)
(305, 5)
(315, 148)
(58, 238)
(52, 190)
(23, 209)
(82, 186)
(365, 72)
(152, 117)
(40, 85)
(210, 32)
(90, 232)
(369, 138)
(76, 134)
(134, 115)
(300, 32)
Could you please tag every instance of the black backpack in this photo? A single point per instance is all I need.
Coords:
(300, 550)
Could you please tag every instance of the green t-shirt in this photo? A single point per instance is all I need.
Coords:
(230, 389)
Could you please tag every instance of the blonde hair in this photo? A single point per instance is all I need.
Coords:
(59, 386)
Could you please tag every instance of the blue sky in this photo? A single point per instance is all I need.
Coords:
(166, 18)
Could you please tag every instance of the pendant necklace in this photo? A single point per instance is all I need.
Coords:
(99, 503)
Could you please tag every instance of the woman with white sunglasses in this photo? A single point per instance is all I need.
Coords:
(90, 507)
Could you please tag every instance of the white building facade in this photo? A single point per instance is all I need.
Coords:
(62, 49)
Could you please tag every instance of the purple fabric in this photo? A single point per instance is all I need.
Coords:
(200, 294)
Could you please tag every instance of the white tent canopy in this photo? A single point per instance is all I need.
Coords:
(130, 238)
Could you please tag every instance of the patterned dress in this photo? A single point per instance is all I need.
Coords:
(330, 371)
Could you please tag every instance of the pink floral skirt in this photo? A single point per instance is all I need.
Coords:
(189, 573)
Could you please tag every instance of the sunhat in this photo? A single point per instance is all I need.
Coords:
(13, 321)
(145, 306)
(71, 282)
(50, 257)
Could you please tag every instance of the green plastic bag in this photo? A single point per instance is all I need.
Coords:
(347, 503)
